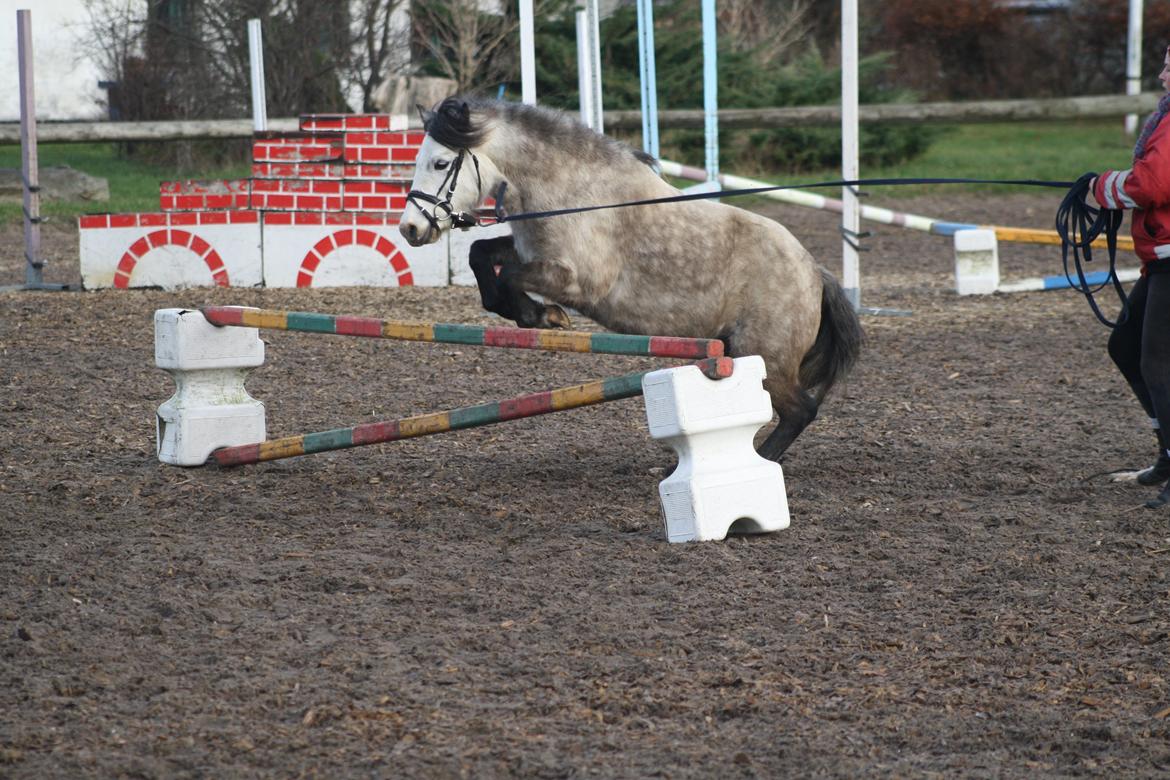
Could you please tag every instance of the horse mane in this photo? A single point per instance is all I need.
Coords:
(454, 125)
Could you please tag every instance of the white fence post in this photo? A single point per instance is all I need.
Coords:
(584, 74)
(256, 57)
(527, 54)
(711, 94)
(593, 30)
(1133, 60)
(851, 212)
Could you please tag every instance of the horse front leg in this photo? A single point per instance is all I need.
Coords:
(502, 292)
(485, 256)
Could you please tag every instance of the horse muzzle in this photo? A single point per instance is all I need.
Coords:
(419, 232)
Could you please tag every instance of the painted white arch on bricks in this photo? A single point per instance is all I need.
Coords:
(319, 250)
(171, 266)
(148, 250)
(360, 258)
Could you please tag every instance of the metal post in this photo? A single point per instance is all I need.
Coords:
(851, 214)
(649, 79)
(584, 78)
(527, 54)
(594, 29)
(256, 56)
(1133, 60)
(34, 276)
(711, 92)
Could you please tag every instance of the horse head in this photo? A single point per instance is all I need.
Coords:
(449, 178)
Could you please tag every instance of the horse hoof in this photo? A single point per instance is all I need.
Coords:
(555, 317)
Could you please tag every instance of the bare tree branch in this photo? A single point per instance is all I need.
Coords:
(770, 29)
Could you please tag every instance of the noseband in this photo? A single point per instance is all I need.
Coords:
(460, 219)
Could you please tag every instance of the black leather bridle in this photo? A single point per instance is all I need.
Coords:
(461, 219)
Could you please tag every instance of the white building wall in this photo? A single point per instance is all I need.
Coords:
(66, 83)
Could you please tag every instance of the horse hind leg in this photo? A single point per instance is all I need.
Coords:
(796, 413)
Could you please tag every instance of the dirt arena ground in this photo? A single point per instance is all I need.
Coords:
(963, 590)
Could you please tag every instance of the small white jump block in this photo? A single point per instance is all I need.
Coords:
(976, 262)
(721, 484)
(210, 409)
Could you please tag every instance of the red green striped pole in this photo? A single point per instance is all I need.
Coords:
(447, 333)
(531, 405)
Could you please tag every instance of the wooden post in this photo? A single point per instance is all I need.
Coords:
(34, 276)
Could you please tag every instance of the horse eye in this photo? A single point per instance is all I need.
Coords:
(441, 164)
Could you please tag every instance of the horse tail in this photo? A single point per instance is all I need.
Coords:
(838, 341)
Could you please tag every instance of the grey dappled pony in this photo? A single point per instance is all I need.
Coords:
(697, 268)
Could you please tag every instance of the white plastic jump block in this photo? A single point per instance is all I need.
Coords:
(721, 483)
(210, 409)
(976, 262)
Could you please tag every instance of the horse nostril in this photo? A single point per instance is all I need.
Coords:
(411, 233)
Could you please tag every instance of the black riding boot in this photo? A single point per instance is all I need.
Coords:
(1162, 500)
(1160, 471)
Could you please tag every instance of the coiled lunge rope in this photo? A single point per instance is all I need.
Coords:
(1079, 224)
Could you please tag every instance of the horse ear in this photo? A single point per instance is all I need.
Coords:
(465, 113)
(424, 115)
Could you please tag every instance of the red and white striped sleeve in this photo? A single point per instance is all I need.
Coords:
(1110, 191)
(1145, 185)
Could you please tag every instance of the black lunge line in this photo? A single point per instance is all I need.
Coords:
(500, 216)
(1077, 223)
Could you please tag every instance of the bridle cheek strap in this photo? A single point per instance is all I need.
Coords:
(460, 219)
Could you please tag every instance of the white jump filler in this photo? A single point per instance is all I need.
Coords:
(721, 483)
(976, 262)
(210, 408)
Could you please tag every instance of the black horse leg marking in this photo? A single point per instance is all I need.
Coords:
(483, 258)
(794, 418)
(503, 293)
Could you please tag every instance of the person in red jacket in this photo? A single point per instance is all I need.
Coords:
(1140, 345)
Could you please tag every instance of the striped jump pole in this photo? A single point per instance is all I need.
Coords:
(1062, 282)
(474, 335)
(565, 398)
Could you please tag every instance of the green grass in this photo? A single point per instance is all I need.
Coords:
(1051, 150)
(1048, 151)
(1054, 151)
(133, 184)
